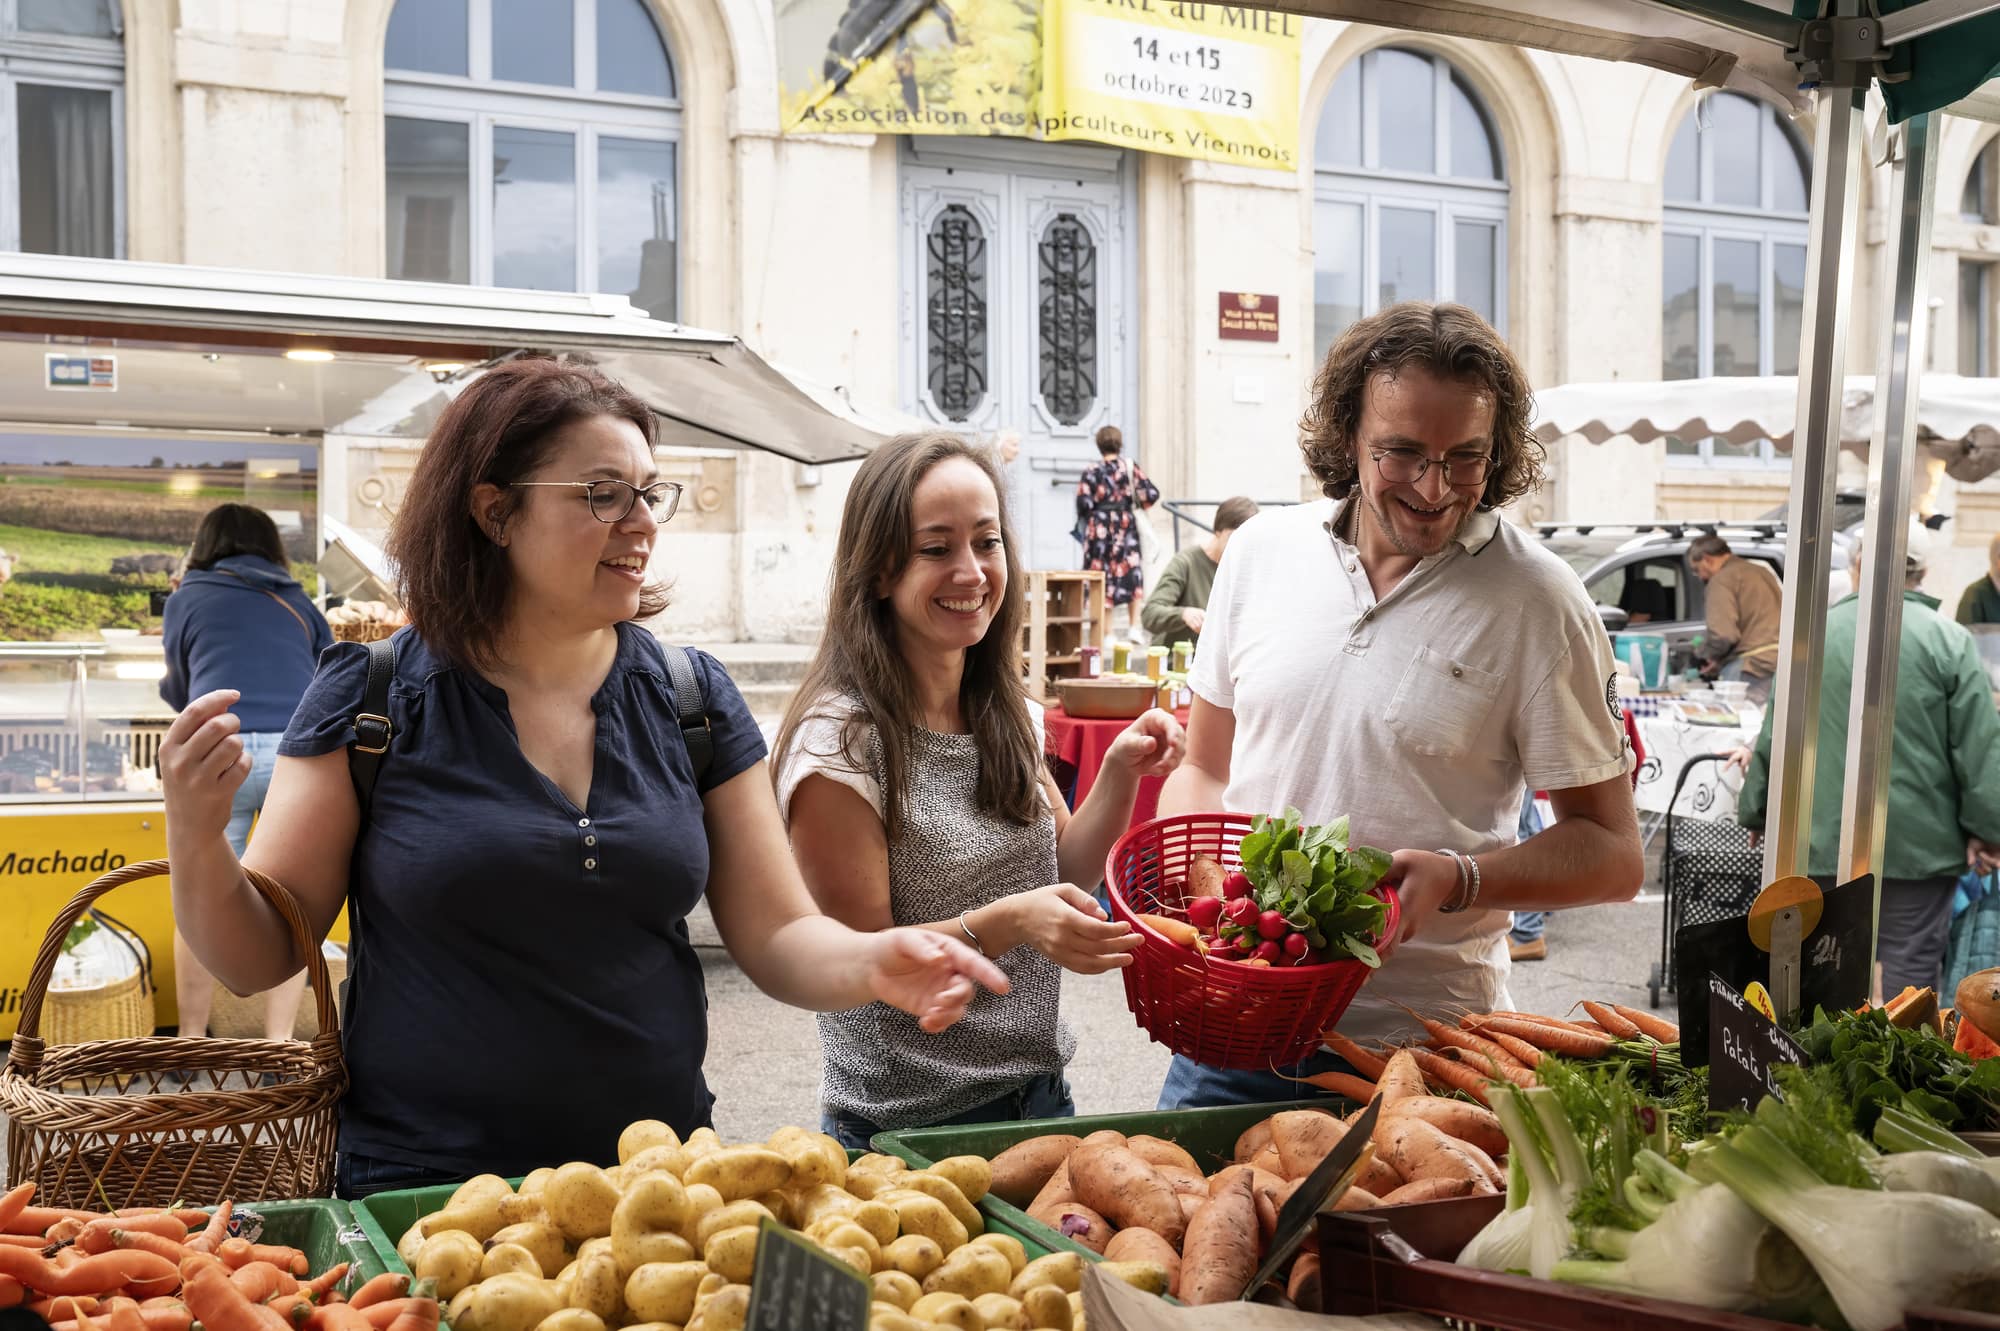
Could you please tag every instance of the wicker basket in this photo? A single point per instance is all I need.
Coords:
(371, 631)
(231, 1017)
(155, 1120)
(120, 1010)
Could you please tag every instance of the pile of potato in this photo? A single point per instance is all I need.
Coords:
(1145, 1198)
(666, 1240)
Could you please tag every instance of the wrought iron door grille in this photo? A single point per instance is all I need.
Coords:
(955, 300)
(1067, 260)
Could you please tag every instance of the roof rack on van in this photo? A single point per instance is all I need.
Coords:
(1676, 529)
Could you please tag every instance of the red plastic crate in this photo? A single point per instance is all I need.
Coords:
(1225, 1014)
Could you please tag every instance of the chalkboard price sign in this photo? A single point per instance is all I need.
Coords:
(798, 1286)
(1744, 1050)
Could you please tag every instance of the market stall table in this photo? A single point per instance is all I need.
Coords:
(1669, 741)
(1076, 747)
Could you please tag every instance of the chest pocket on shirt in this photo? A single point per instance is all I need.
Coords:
(1441, 704)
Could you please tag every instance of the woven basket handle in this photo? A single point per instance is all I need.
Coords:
(270, 889)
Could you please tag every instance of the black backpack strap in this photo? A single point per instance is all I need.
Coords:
(372, 728)
(691, 708)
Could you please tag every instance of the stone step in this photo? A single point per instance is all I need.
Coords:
(751, 663)
(767, 702)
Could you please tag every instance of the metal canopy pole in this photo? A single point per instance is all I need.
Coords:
(1836, 183)
(1920, 20)
(1892, 452)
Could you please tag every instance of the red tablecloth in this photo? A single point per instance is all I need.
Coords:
(1080, 743)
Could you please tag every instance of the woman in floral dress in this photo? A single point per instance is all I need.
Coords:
(1108, 525)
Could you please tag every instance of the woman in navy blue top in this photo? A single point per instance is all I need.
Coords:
(239, 620)
(523, 984)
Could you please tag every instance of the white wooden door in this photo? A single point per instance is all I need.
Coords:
(1014, 314)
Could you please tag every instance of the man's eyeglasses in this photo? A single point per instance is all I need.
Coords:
(612, 501)
(1406, 466)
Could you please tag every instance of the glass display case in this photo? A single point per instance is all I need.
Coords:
(81, 721)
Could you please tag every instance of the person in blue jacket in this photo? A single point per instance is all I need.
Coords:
(240, 621)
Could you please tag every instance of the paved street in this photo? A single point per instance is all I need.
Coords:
(763, 1061)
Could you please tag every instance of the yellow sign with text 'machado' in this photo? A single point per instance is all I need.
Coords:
(47, 855)
(1215, 82)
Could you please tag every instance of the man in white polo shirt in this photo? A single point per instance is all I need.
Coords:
(1399, 654)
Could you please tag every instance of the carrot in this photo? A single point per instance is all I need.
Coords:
(220, 1306)
(154, 1315)
(160, 1223)
(123, 1315)
(35, 1241)
(15, 1202)
(380, 1315)
(1445, 1038)
(1431, 1190)
(1341, 1084)
(1560, 1023)
(294, 1307)
(1401, 1078)
(1658, 1028)
(79, 1308)
(1613, 1022)
(12, 1292)
(1174, 931)
(261, 1281)
(217, 1230)
(1368, 1064)
(37, 1219)
(65, 1230)
(1465, 1122)
(91, 1275)
(337, 1317)
(1452, 1076)
(1549, 1039)
(323, 1283)
(388, 1285)
(289, 1260)
(1523, 1053)
(1493, 1067)
(141, 1241)
(1220, 1254)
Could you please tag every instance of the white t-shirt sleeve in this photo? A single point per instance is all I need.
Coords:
(1209, 677)
(1572, 732)
(815, 751)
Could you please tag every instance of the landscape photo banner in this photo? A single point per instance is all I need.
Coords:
(1214, 82)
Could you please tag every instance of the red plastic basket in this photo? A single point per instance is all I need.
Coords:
(1222, 1013)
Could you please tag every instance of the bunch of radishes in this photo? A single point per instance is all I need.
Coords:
(1234, 921)
(1303, 896)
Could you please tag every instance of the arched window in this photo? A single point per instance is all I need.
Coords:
(533, 143)
(1733, 252)
(1409, 194)
(62, 117)
(1979, 205)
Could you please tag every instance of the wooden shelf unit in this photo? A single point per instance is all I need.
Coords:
(1066, 613)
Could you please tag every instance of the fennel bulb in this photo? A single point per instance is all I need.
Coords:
(1534, 1232)
(1945, 1175)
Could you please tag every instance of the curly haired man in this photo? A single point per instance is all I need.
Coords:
(1399, 654)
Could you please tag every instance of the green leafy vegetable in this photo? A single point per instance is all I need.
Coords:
(1880, 1065)
(1323, 886)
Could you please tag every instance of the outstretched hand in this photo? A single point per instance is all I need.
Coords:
(929, 976)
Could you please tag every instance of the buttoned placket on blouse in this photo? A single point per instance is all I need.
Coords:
(586, 832)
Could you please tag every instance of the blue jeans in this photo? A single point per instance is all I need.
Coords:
(263, 750)
(1192, 1085)
(358, 1176)
(1528, 923)
(1044, 1097)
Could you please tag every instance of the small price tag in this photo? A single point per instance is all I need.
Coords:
(798, 1286)
(1744, 1050)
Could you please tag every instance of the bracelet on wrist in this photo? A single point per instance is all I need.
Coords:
(1468, 882)
(970, 936)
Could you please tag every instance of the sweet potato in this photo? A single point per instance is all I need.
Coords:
(1458, 1118)
(1105, 1137)
(1158, 1151)
(1431, 1190)
(1302, 1287)
(1401, 1079)
(1077, 1222)
(1268, 1160)
(1495, 1174)
(1303, 1137)
(1205, 877)
(1114, 1182)
(1057, 1189)
(1254, 1139)
(1021, 1171)
(1139, 1244)
(1267, 1219)
(1190, 1204)
(1357, 1198)
(1419, 1150)
(1220, 1253)
(1379, 1176)
(1183, 1180)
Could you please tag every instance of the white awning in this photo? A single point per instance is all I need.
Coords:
(1958, 419)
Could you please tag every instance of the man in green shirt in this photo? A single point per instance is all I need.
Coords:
(1944, 777)
(1174, 608)
(1981, 602)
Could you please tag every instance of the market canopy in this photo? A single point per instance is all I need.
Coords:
(1738, 44)
(1958, 418)
(218, 350)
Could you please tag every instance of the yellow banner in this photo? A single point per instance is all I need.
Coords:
(1214, 82)
(46, 856)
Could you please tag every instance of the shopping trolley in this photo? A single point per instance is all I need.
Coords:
(1709, 871)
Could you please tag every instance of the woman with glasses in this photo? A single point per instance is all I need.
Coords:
(537, 833)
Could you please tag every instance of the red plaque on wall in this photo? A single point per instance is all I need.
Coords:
(1246, 316)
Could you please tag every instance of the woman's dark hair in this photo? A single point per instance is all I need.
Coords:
(1450, 342)
(236, 529)
(859, 662)
(453, 579)
(1109, 441)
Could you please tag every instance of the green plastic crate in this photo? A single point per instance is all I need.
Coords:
(1209, 1135)
(325, 1231)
